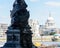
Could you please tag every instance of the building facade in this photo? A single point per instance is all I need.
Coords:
(49, 27)
(34, 27)
(3, 29)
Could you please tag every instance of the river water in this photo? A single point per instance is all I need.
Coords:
(45, 43)
(51, 43)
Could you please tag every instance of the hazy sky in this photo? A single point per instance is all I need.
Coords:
(39, 10)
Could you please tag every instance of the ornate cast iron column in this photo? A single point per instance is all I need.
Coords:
(19, 34)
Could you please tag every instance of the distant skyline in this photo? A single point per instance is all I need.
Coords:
(39, 10)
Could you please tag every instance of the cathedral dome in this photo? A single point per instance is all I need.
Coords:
(50, 18)
(50, 23)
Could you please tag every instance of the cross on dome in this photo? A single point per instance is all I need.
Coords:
(50, 17)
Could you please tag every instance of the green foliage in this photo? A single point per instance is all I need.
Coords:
(52, 33)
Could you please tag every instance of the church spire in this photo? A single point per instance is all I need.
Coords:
(49, 14)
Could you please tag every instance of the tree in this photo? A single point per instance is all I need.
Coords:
(52, 33)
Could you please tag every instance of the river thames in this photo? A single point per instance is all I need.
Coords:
(45, 43)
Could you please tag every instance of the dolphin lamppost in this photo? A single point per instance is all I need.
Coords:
(19, 34)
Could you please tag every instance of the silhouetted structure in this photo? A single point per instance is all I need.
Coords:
(19, 34)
